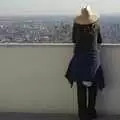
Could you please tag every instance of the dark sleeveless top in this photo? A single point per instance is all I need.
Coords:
(85, 64)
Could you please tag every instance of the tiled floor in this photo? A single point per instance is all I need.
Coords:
(36, 116)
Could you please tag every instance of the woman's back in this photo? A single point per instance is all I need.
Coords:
(85, 63)
(86, 37)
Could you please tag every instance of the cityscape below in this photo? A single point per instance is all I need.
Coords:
(52, 29)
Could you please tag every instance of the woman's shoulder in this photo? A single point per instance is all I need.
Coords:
(87, 27)
(93, 19)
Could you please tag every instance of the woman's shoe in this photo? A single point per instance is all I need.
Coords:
(83, 116)
(92, 114)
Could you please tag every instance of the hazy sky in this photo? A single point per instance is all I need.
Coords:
(20, 7)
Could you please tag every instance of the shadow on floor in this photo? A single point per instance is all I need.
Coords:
(38, 116)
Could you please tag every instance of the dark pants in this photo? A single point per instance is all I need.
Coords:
(86, 111)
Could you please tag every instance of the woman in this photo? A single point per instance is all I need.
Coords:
(85, 68)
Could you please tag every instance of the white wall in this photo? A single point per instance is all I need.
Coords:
(32, 80)
(108, 101)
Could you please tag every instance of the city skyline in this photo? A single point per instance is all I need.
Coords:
(47, 29)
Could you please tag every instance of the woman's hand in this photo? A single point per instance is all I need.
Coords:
(98, 46)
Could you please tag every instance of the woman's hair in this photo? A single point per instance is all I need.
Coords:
(84, 11)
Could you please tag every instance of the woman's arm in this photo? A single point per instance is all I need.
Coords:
(99, 38)
(73, 33)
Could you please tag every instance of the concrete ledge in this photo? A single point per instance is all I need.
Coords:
(32, 79)
(48, 44)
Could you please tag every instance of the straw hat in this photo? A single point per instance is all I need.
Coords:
(87, 16)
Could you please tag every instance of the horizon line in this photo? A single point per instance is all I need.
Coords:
(27, 15)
